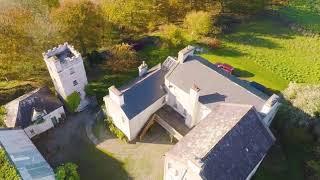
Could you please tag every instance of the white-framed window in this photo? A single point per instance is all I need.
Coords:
(75, 82)
(71, 70)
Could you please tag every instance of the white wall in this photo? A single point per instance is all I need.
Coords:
(63, 78)
(138, 122)
(118, 117)
(270, 116)
(44, 126)
(182, 99)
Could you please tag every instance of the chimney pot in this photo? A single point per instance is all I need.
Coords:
(143, 69)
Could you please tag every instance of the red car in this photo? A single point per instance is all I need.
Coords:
(226, 67)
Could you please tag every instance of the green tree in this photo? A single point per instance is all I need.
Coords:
(2, 116)
(198, 23)
(81, 24)
(172, 34)
(73, 101)
(7, 170)
(244, 6)
(67, 171)
(123, 58)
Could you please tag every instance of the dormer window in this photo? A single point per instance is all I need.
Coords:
(75, 82)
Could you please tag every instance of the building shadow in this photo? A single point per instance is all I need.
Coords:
(212, 98)
(242, 73)
(69, 143)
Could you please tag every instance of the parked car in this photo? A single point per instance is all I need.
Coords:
(258, 86)
(226, 67)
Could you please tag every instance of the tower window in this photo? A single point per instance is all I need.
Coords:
(75, 82)
(71, 71)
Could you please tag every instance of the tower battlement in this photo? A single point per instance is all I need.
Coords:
(63, 56)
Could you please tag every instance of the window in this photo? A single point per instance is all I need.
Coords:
(75, 83)
(32, 132)
(71, 71)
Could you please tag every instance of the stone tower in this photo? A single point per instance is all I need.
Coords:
(67, 72)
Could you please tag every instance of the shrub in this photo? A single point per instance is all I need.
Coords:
(7, 170)
(304, 97)
(2, 116)
(89, 90)
(172, 34)
(73, 101)
(67, 171)
(198, 23)
(123, 58)
(213, 43)
(114, 130)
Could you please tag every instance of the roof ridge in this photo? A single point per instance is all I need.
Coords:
(139, 79)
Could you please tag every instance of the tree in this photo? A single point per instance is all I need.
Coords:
(67, 171)
(73, 101)
(129, 15)
(2, 116)
(244, 6)
(123, 58)
(198, 23)
(172, 34)
(80, 23)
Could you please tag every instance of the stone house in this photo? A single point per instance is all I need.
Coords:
(34, 112)
(198, 91)
(66, 68)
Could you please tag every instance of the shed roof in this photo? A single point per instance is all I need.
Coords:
(215, 85)
(19, 111)
(25, 156)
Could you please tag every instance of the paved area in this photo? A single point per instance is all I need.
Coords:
(69, 143)
(110, 158)
(142, 160)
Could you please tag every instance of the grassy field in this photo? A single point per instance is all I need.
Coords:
(269, 55)
(305, 12)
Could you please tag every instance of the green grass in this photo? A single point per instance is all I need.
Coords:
(304, 12)
(269, 55)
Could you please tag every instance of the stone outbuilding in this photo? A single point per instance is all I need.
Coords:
(34, 112)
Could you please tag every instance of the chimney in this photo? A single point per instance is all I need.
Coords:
(268, 105)
(194, 104)
(116, 95)
(184, 53)
(143, 69)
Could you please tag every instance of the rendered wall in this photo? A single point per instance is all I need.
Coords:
(44, 126)
(118, 117)
(138, 122)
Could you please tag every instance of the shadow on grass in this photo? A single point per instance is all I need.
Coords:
(287, 159)
(242, 73)
(251, 40)
(227, 51)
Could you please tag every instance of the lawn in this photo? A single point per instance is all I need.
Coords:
(304, 12)
(271, 56)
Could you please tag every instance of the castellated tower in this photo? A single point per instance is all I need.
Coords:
(67, 72)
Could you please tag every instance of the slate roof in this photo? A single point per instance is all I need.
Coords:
(25, 156)
(144, 91)
(19, 111)
(215, 85)
(227, 144)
